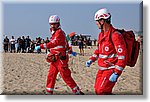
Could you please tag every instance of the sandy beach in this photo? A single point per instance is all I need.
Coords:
(26, 73)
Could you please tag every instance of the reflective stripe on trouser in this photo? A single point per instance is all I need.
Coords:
(76, 90)
(62, 67)
(49, 90)
(102, 84)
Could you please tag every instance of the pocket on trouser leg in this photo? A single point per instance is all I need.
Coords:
(105, 86)
(98, 78)
(63, 63)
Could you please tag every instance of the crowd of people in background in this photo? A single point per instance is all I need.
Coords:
(83, 42)
(22, 44)
(85, 39)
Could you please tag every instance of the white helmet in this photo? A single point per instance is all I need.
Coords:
(54, 19)
(102, 14)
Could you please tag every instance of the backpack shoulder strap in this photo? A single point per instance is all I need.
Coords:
(117, 30)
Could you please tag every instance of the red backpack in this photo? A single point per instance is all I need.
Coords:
(132, 45)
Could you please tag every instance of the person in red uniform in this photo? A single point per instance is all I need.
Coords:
(58, 47)
(111, 54)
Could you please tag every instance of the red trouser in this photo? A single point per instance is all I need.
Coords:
(62, 67)
(102, 84)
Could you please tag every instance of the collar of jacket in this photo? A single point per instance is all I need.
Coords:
(107, 34)
(52, 31)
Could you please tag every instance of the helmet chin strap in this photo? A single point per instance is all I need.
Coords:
(101, 25)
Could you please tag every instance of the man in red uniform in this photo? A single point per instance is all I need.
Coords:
(58, 46)
(110, 52)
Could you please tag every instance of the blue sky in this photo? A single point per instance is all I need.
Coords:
(32, 18)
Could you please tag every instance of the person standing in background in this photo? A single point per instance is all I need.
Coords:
(23, 44)
(6, 42)
(47, 41)
(38, 42)
(81, 44)
(28, 41)
(12, 42)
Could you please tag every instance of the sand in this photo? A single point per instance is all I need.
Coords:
(26, 73)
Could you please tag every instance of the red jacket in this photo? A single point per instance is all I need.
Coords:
(58, 42)
(111, 51)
